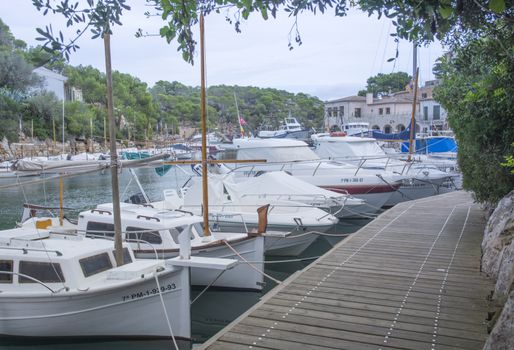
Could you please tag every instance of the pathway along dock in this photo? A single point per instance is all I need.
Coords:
(408, 280)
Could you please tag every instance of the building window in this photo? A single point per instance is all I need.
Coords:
(387, 129)
(388, 110)
(334, 112)
(437, 112)
(380, 111)
(329, 111)
(425, 112)
(424, 95)
(400, 127)
(375, 127)
(357, 112)
(341, 111)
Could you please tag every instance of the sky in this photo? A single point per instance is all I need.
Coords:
(335, 59)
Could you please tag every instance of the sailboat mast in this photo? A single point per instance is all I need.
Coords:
(413, 115)
(239, 117)
(204, 130)
(118, 248)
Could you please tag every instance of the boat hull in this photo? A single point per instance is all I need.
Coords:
(291, 245)
(126, 311)
(415, 188)
(242, 276)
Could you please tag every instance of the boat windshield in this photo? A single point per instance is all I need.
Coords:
(278, 154)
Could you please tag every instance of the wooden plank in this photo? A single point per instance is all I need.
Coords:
(390, 285)
(339, 325)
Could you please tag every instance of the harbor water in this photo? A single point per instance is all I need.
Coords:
(210, 313)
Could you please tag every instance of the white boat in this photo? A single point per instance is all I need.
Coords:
(153, 233)
(355, 129)
(57, 284)
(6, 171)
(290, 128)
(376, 187)
(279, 185)
(231, 211)
(422, 179)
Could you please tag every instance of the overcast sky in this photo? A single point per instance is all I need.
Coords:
(335, 59)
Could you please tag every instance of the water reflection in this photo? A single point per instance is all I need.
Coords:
(210, 313)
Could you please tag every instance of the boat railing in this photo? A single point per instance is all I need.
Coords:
(257, 170)
(25, 250)
(12, 273)
(243, 221)
(128, 240)
(406, 165)
(313, 199)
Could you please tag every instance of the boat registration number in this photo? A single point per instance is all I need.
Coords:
(352, 179)
(148, 292)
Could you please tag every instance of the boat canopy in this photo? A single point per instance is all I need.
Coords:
(401, 136)
(433, 144)
(348, 147)
(274, 150)
(278, 183)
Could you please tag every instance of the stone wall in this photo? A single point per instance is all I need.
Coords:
(498, 263)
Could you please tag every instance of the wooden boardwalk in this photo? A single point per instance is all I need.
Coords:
(408, 280)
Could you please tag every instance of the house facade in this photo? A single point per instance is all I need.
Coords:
(57, 83)
(389, 114)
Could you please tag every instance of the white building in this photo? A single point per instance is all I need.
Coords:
(52, 81)
(389, 114)
(57, 83)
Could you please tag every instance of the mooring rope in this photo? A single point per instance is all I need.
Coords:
(250, 264)
(165, 311)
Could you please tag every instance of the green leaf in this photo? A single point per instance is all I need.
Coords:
(445, 12)
(497, 6)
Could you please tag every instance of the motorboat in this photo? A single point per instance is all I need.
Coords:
(375, 186)
(153, 233)
(55, 283)
(290, 128)
(279, 185)
(231, 210)
(422, 178)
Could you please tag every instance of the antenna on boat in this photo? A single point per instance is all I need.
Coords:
(205, 188)
(118, 247)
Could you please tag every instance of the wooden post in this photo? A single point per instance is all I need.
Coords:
(118, 244)
(413, 116)
(204, 131)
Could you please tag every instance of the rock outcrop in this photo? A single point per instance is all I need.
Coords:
(498, 235)
(498, 263)
(502, 335)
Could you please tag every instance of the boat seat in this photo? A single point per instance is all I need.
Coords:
(172, 200)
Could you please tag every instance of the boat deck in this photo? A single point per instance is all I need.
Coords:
(410, 279)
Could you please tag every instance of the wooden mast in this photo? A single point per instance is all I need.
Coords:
(118, 248)
(205, 188)
(413, 116)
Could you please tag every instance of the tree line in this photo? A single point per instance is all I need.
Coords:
(141, 112)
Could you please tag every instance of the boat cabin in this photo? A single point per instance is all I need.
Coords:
(291, 124)
(144, 226)
(42, 260)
